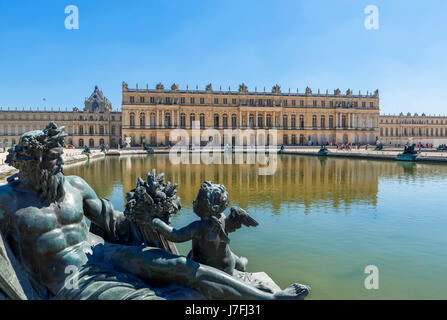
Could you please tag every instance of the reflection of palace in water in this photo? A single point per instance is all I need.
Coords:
(302, 180)
(298, 179)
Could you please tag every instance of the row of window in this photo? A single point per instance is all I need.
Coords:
(261, 122)
(91, 130)
(54, 118)
(253, 102)
(408, 132)
(261, 140)
(415, 121)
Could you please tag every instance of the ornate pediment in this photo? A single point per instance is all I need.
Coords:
(276, 89)
(243, 88)
(97, 102)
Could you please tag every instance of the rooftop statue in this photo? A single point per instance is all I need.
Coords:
(44, 235)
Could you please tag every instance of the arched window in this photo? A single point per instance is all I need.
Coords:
(314, 121)
(285, 122)
(153, 120)
(225, 121)
(323, 122)
(101, 129)
(344, 123)
(331, 122)
(142, 120)
(202, 120)
(260, 122)
(302, 122)
(233, 121)
(101, 141)
(251, 121)
(269, 121)
(81, 142)
(132, 119)
(182, 120)
(216, 121)
(113, 130)
(91, 130)
(293, 125)
(91, 143)
(192, 118)
(81, 130)
(167, 119)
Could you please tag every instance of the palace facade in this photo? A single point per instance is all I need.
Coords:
(96, 124)
(149, 115)
(400, 129)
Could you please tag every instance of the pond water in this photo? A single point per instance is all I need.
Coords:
(322, 221)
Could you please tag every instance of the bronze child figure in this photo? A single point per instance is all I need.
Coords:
(209, 235)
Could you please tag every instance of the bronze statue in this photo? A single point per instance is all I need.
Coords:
(209, 235)
(42, 219)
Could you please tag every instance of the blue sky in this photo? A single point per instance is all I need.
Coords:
(320, 44)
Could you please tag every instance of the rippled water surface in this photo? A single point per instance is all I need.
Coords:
(322, 221)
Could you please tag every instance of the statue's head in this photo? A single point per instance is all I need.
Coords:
(38, 157)
(212, 199)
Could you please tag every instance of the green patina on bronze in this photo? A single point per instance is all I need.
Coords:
(42, 222)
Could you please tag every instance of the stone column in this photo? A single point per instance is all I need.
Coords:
(256, 119)
(280, 119)
(265, 119)
(158, 119)
(162, 118)
(240, 119)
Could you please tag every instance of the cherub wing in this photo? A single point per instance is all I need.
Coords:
(237, 218)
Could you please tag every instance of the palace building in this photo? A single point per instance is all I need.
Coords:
(305, 118)
(400, 129)
(149, 115)
(96, 124)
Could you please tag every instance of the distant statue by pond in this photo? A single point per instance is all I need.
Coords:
(87, 151)
(441, 147)
(409, 154)
(43, 232)
(148, 149)
(379, 145)
(323, 151)
(281, 149)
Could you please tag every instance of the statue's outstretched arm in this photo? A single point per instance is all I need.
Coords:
(176, 235)
(99, 211)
